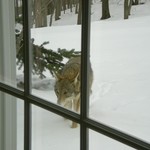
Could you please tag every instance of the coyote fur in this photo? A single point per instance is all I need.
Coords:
(67, 86)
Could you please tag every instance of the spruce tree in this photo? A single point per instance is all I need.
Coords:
(43, 59)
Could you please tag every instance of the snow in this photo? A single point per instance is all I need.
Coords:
(120, 53)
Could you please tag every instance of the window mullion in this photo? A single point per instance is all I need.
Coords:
(27, 74)
(85, 50)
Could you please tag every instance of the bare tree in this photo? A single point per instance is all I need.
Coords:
(105, 9)
(79, 21)
(76, 6)
(42, 8)
(16, 9)
(58, 9)
(40, 11)
(127, 8)
(135, 2)
(51, 9)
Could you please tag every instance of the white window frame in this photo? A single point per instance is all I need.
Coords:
(8, 107)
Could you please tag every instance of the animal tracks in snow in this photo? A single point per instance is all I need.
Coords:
(103, 88)
(100, 90)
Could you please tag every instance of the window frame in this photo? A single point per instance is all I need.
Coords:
(85, 122)
(8, 104)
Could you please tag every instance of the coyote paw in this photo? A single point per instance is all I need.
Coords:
(74, 125)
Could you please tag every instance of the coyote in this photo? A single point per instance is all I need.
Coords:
(67, 86)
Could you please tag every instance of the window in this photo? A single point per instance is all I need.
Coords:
(26, 115)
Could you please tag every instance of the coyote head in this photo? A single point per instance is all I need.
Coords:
(66, 89)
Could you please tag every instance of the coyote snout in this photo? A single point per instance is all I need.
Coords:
(67, 86)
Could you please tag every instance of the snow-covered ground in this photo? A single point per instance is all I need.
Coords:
(120, 56)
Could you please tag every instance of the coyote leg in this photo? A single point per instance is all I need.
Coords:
(76, 107)
(68, 106)
(74, 125)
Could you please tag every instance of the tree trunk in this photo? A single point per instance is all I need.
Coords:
(57, 10)
(16, 9)
(44, 16)
(71, 5)
(105, 9)
(37, 5)
(127, 8)
(130, 5)
(51, 8)
(64, 5)
(76, 7)
(135, 2)
(79, 21)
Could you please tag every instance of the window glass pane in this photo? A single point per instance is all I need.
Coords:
(11, 53)
(50, 131)
(120, 60)
(98, 141)
(11, 123)
(56, 37)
